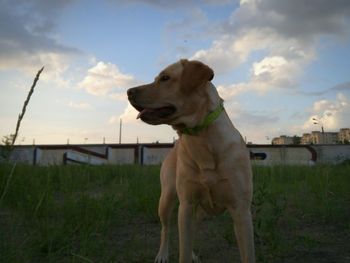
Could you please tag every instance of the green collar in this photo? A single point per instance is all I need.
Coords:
(209, 119)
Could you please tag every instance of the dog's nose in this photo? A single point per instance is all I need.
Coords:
(131, 93)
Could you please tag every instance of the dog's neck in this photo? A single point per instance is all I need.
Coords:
(214, 97)
(206, 115)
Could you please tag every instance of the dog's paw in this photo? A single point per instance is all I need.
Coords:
(161, 258)
(195, 259)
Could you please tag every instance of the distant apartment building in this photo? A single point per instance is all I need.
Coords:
(330, 137)
(316, 137)
(306, 138)
(344, 135)
(283, 139)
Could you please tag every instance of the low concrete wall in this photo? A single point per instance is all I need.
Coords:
(154, 155)
(283, 154)
(332, 153)
(150, 154)
(23, 154)
(121, 155)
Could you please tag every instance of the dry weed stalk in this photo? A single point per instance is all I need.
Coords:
(24, 108)
(14, 136)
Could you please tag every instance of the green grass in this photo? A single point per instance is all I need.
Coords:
(298, 208)
(109, 214)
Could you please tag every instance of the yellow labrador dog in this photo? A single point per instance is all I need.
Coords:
(209, 168)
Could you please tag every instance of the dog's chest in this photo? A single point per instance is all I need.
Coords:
(211, 198)
(200, 155)
(199, 152)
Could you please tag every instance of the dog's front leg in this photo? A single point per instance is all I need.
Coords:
(243, 228)
(185, 222)
(166, 205)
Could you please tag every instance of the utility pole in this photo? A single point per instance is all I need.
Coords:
(320, 122)
(120, 130)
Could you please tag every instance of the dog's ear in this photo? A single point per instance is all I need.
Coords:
(195, 74)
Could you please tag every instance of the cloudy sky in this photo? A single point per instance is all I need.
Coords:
(277, 63)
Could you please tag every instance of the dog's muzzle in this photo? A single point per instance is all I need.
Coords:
(151, 115)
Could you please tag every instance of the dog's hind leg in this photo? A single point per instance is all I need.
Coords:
(166, 204)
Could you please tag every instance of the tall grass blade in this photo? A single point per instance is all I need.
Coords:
(7, 182)
(24, 108)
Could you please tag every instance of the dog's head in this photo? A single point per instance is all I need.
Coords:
(177, 93)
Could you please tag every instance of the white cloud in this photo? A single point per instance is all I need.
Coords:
(242, 2)
(175, 3)
(267, 74)
(105, 78)
(274, 72)
(217, 56)
(333, 115)
(298, 19)
(118, 96)
(80, 105)
(128, 116)
(269, 65)
(287, 32)
(27, 42)
(253, 125)
(229, 51)
(55, 65)
(230, 91)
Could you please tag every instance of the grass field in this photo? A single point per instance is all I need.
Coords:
(109, 214)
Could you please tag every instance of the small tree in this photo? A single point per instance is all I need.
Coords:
(5, 150)
(296, 140)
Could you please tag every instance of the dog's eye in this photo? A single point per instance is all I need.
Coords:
(164, 78)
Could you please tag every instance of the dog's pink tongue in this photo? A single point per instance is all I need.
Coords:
(142, 112)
